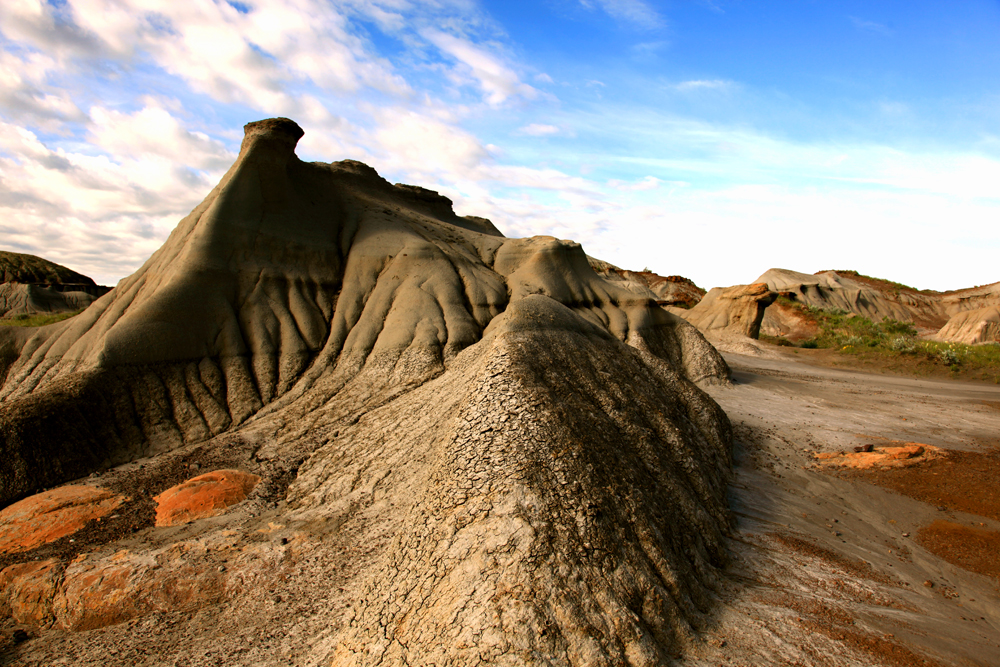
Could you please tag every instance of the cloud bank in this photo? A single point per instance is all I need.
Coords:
(118, 116)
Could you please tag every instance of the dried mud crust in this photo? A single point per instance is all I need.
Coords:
(140, 483)
(962, 481)
(969, 547)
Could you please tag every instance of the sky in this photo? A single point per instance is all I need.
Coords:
(713, 139)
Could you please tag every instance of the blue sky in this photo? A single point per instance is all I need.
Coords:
(709, 138)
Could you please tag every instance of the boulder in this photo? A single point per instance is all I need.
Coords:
(27, 591)
(738, 309)
(48, 516)
(95, 593)
(203, 496)
(867, 457)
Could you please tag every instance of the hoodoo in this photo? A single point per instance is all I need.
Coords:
(479, 450)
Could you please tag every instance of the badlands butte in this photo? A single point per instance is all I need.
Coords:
(331, 422)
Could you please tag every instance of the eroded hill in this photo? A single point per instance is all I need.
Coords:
(469, 448)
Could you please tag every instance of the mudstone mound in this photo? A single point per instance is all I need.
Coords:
(474, 448)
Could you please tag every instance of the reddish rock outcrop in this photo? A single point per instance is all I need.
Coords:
(91, 593)
(676, 291)
(125, 586)
(27, 590)
(45, 517)
(882, 457)
(203, 496)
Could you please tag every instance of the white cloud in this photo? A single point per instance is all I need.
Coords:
(425, 146)
(90, 212)
(647, 183)
(538, 130)
(154, 132)
(497, 81)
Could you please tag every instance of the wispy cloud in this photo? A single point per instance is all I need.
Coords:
(635, 13)
(538, 130)
(871, 26)
(497, 80)
(647, 183)
(704, 84)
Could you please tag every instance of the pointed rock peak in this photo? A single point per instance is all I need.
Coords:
(274, 134)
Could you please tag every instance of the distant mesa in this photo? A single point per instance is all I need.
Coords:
(674, 291)
(17, 267)
(981, 325)
(967, 316)
(32, 285)
(739, 309)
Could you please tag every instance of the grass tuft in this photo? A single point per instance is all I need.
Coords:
(38, 320)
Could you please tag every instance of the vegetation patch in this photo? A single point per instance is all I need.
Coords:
(894, 345)
(38, 320)
(881, 283)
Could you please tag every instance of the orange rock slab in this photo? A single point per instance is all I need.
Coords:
(203, 496)
(45, 517)
(882, 457)
(27, 591)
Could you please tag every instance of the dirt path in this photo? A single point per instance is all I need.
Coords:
(830, 567)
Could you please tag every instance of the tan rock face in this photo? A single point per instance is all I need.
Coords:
(739, 309)
(27, 590)
(45, 517)
(981, 325)
(203, 496)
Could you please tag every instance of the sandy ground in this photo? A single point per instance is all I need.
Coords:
(828, 569)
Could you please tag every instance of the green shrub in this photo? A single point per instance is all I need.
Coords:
(904, 344)
(891, 326)
(949, 356)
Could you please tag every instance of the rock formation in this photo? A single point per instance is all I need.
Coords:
(676, 291)
(738, 309)
(499, 456)
(871, 298)
(18, 300)
(972, 327)
(17, 267)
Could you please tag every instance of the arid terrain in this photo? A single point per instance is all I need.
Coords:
(331, 422)
(848, 565)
